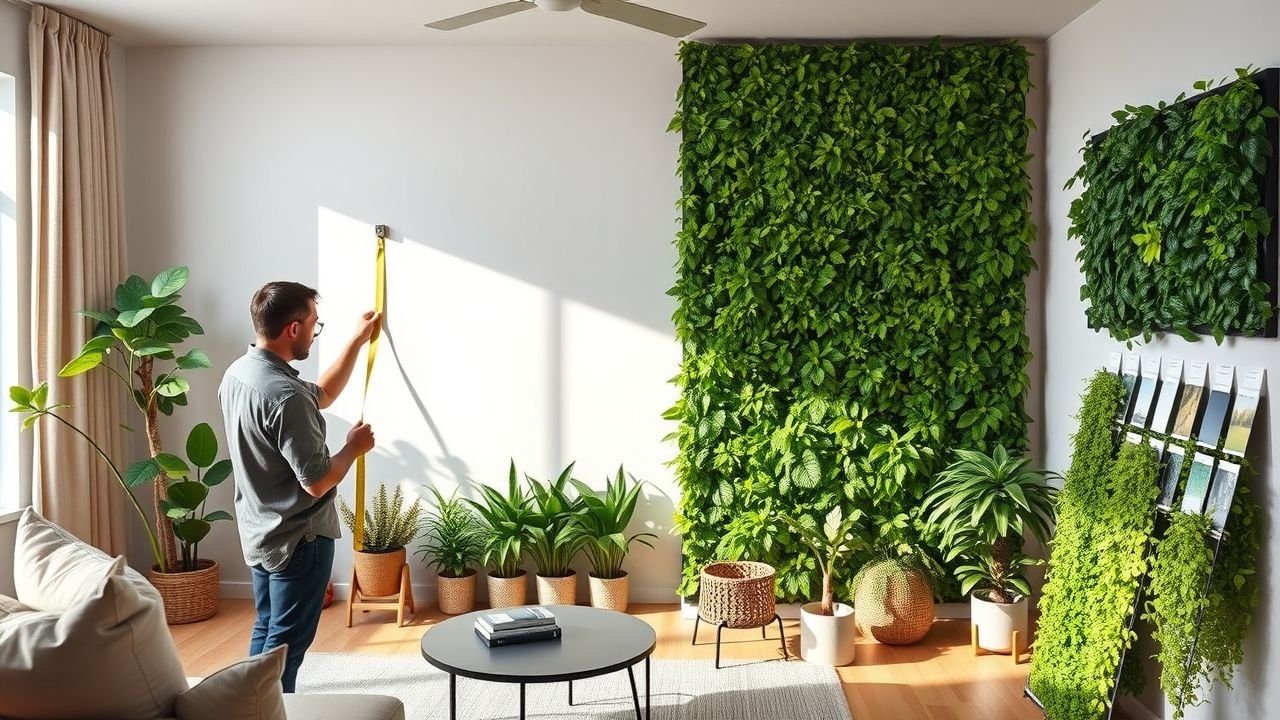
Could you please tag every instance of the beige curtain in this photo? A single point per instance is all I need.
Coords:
(78, 257)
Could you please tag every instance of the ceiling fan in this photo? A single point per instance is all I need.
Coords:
(621, 10)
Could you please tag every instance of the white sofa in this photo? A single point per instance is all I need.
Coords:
(86, 638)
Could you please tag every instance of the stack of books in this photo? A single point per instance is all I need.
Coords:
(517, 625)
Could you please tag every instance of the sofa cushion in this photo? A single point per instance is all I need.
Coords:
(343, 707)
(106, 653)
(53, 569)
(248, 689)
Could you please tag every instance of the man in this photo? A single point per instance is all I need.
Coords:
(284, 475)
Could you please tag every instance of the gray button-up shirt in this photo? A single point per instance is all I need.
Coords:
(277, 439)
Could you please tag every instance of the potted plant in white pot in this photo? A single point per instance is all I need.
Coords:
(453, 542)
(389, 525)
(828, 632)
(506, 519)
(605, 520)
(555, 538)
(984, 505)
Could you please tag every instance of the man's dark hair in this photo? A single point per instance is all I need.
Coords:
(279, 303)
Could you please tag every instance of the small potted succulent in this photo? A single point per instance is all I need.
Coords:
(605, 520)
(827, 629)
(984, 504)
(389, 525)
(555, 538)
(453, 542)
(506, 525)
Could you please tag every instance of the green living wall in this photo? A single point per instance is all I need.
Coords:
(850, 286)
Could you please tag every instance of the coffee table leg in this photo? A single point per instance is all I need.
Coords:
(453, 697)
(635, 696)
(648, 702)
(521, 701)
(570, 692)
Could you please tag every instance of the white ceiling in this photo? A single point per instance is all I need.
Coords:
(399, 22)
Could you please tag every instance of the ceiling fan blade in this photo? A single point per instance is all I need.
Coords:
(644, 17)
(476, 16)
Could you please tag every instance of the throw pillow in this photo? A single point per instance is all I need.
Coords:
(248, 689)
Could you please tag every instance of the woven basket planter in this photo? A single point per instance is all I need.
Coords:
(507, 592)
(188, 596)
(738, 594)
(894, 603)
(610, 593)
(558, 590)
(456, 595)
(378, 574)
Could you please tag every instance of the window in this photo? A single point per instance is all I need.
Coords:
(11, 493)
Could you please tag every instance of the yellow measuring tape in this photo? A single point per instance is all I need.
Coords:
(379, 301)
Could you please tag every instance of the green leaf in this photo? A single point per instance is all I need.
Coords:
(219, 472)
(131, 318)
(82, 363)
(218, 515)
(169, 281)
(188, 494)
(202, 446)
(20, 395)
(191, 531)
(143, 471)
(173, 387)
(172, 465)
(194, 358)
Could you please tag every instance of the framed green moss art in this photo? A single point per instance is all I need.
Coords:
(850, 288)
(1177, 222)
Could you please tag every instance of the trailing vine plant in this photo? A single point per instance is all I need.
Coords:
(1179, 572)
(849, 288)
(1171, 214)
(1106, 511)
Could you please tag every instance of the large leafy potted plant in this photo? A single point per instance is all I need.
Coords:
(827, 628)
(507, 519)
(555, 538)
(983, 505)
(389, 525)
(604, 521)
(137, 341)
(453, 541)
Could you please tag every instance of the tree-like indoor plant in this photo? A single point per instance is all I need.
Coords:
(983, 505)
(605, 520)
(507, 518)
(389, 525)
(453, 542)
(827, 628)
(555, 538)
(135, 341)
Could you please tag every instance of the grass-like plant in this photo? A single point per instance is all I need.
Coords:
(454, 536)
(555, 534)
(508, 518)
(605, 520)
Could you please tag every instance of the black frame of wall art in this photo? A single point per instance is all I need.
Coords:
(1268, 82)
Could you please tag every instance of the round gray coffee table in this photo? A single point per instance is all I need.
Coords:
(593, 642)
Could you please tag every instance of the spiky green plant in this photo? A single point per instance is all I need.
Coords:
(983, 504)
(454, 536)
(508, 518)
(555, 535)
(388, 525)
(605, 520)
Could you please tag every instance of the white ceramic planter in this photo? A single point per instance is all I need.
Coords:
(996, 623)
(827, 639)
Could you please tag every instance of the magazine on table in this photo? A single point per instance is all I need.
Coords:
(515, 618)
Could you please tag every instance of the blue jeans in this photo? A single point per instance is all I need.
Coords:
(289, 602)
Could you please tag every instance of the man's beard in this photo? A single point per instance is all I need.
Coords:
(301, 349)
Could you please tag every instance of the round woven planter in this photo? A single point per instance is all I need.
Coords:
(188, 596)
(507, 592)
(894, 603)
(738, 594)
(558, 590)
(609, 593)
(378, 574)
(456, 595)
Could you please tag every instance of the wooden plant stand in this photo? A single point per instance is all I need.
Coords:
(398, 602)
(1014, 645)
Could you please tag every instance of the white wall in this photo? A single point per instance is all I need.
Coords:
(530, 192)
(1138, 52)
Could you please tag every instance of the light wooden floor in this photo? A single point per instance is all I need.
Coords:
(937, 679)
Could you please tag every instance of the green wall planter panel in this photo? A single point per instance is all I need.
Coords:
(850, 286)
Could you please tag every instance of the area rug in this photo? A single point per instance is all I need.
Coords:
(681, 690)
